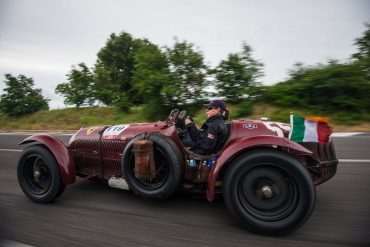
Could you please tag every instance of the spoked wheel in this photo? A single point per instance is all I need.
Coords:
(38, 174)
(269, 192)
(169, 168)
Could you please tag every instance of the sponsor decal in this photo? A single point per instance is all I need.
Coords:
(250, 126)
(114, 131)
(210, 136)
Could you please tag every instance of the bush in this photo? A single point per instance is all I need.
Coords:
(327, 89)
(244, 109)
(20, 98)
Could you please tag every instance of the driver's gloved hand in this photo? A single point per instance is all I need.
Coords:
(188, 120)
(180, 124)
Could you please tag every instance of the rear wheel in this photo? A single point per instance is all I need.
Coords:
(38, 174)
(269, 192)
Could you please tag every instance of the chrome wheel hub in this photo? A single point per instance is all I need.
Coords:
(267, 191)
(37, 174)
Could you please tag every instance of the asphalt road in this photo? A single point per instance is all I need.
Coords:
(93, 214)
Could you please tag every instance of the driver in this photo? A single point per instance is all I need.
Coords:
(210, 138)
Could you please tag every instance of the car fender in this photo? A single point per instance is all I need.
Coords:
(236, 148)
(61, 153)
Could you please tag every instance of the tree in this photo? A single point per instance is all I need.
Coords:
(363, 44)
(363, 54)
(329, 88)
(151, 80)
(20, 98)
(236, 77)
(187, 73)
(297, 71)
(114, 69)
(80, 89)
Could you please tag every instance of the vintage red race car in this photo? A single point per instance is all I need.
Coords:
(267, 181)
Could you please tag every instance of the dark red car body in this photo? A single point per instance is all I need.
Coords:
(96, 152)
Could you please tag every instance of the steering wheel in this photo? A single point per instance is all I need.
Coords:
(182, 115)
(180, 123)
(177, 118)
(171, 120)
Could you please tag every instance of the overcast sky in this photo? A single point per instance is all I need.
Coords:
(43, 39)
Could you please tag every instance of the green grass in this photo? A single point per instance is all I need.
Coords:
(73, 118)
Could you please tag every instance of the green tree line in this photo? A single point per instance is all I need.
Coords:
(329, 88)
(131, 71)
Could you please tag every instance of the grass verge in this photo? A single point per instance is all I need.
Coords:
(73, 118)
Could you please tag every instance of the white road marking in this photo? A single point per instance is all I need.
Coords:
(345, 134)
(36, 133)
(10, 243)
(354, 160)
(11, 150)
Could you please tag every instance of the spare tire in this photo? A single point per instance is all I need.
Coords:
(169, 167)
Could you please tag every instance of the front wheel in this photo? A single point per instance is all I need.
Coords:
(38, 174)
(269, 192)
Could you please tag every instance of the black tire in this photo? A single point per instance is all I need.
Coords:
(169, 168)
(269, 192)
(38, 174)
(62, 187)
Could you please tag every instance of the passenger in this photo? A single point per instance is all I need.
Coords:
(210, 138)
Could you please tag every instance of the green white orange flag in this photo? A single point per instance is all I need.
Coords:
(309, 129)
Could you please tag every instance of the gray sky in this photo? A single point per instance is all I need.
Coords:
(42, 39)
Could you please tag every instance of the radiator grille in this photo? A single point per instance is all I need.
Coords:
(321, 151)
(112, 153)
(88, 155)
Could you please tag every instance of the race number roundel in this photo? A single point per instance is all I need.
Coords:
(113, 131)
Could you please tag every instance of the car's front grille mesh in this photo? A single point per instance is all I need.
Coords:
(112, 153)
(113, 146)
(321, 151)
(87, 154)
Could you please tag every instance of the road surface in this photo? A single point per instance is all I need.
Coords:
(93, 214)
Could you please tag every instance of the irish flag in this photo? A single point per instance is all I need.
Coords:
(309, 129)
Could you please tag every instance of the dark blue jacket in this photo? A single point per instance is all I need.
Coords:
(210, 138)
